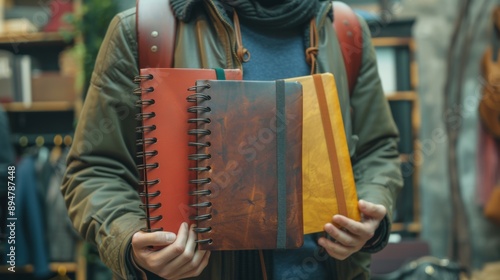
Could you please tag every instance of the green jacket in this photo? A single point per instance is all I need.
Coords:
(99, 184)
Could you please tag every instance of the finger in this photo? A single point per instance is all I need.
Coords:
(187, 254)
(142, 252)
(193, 268)
(186, 264)
(371, 210)
(343, 237)
(352, 226)
(363, 230)
(147, 239)
(335, 250)
(191, 243)
(201, 264)
(157, 261)
(175, 249)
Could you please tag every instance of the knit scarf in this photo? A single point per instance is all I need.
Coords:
(259, 14)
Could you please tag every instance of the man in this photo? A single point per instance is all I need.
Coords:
(101, 174)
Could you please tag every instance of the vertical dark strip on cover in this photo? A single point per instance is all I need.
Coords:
(281, 164)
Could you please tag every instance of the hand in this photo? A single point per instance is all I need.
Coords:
(178, 259)
(352, 235)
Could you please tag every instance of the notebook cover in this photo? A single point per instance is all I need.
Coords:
(328, 180)
(254, 198)
(167, 201)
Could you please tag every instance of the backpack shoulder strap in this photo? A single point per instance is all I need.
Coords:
(348, 28)
(156, 26)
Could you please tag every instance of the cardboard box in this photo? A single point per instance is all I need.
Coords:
(52, 86)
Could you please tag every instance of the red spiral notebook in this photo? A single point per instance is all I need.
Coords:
(163, 144)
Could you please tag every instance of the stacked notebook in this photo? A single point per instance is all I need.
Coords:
(328, 180)
(249, 183)
(255, 164)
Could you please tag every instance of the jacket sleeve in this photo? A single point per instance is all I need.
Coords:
(101, 175)
(376, 163)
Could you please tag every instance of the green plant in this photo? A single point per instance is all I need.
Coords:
(90, 24)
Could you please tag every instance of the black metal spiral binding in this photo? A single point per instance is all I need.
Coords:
(147, 153)
(141, 91)
(143, 194)
(198, 120)
(145, 128)
(151, 206)
(203, 168)
(144, 116)
(143, 102)
(140, 78)
(201, 181)
(198, 97)
(200, 192)
(203, 204)
(146, 141)
(201, 155)
(147, 166)
(199, 131)
(199, 144)
(199, 109)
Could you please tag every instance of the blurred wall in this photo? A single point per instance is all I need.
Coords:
(433, 31)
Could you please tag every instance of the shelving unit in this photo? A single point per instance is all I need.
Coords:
(48, 117)
(48, 123)
(76, 269)
(35, 37)
(412, 227)
(52, 106)
(403, 100)
(69, 267)
(392, 41)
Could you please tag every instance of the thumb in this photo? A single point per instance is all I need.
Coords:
(147, 239)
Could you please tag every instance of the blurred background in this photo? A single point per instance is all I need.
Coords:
(438, 65)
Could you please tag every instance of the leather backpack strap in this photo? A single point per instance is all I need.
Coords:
(156, 46)
(156, 26)
(350, 38)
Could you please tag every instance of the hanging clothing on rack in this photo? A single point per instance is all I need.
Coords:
(6, 160)
(6, 151)
(31, 246)
(62, 236)
(44, 232)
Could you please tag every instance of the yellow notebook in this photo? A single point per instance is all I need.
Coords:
(328, 186)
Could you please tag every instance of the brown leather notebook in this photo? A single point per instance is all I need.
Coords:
(248, 177)
(164, 173)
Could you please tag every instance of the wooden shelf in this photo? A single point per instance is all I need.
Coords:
(39, 106)
(401, 95)
(392, 42)
(70, 267)
(412, 227)
(35, 37)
